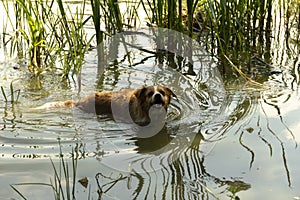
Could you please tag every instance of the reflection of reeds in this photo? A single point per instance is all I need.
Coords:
(63, 185)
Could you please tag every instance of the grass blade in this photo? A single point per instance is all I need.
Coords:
(17, 191)
(3, 93)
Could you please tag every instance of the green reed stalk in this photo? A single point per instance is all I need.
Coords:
(4, 94)
(160, 12)
(112, 15)
(96, 19)
(49, 34)
(180, 25)
(171, 14)
(80, 45)
(13, 98)
(113, 4)
(298, 11)
(96, 8)
(191, 6)
(234, 24)
(62, 186)
(14, 39)
(34, 35)
(65, 24)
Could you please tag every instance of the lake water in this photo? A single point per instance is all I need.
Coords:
(222, 138)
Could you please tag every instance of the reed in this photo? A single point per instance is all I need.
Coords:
(237, 26)
(107, 11)
(34, 35)
(171, 14)
(48, 35)
(76, 44)
(238, 30)
(13, 94)
(14, 37)
(96, 8)
(64, 181)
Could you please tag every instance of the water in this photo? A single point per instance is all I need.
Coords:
(222, 137)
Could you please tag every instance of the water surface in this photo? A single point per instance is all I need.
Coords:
(223, 137)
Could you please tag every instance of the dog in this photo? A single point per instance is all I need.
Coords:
(124, 105)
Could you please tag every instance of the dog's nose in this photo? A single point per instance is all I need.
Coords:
(157, 98)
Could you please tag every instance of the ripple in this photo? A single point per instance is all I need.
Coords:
(201, 108)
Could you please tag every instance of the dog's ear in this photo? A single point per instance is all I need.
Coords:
(141, 91)
(170, 92)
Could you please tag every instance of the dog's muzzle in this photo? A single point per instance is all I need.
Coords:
(157, 98)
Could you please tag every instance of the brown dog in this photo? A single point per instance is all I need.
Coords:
(131, 103)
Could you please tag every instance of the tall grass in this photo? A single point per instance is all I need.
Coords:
(53, 32)
(169, 14)
(230, 27)
(237, 24)
(34, 35)
(239, 30)
(50, 34)
(76, 44)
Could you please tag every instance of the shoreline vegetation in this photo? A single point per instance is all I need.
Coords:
(51, 35)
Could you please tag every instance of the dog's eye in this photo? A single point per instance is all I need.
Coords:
(162, 93)
(150, 94)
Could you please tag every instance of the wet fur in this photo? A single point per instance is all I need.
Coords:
(139, 102)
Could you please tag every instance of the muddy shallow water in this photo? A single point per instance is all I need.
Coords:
(221, 138)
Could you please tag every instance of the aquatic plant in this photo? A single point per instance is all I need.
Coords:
(236, 25)
(76, 44)
(239, 30)
(244, 29)
(13, 98)
(64, 181)
(49, 35)
(33, 33)
(56, 38)
(96, 7)
(169, 14)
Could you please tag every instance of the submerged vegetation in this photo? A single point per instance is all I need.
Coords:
(51, 34)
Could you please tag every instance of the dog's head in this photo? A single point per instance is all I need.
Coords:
(154, 96)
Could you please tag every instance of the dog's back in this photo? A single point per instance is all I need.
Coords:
(124, 105)
(57, 104)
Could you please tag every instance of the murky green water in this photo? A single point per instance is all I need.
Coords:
(222, 137)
